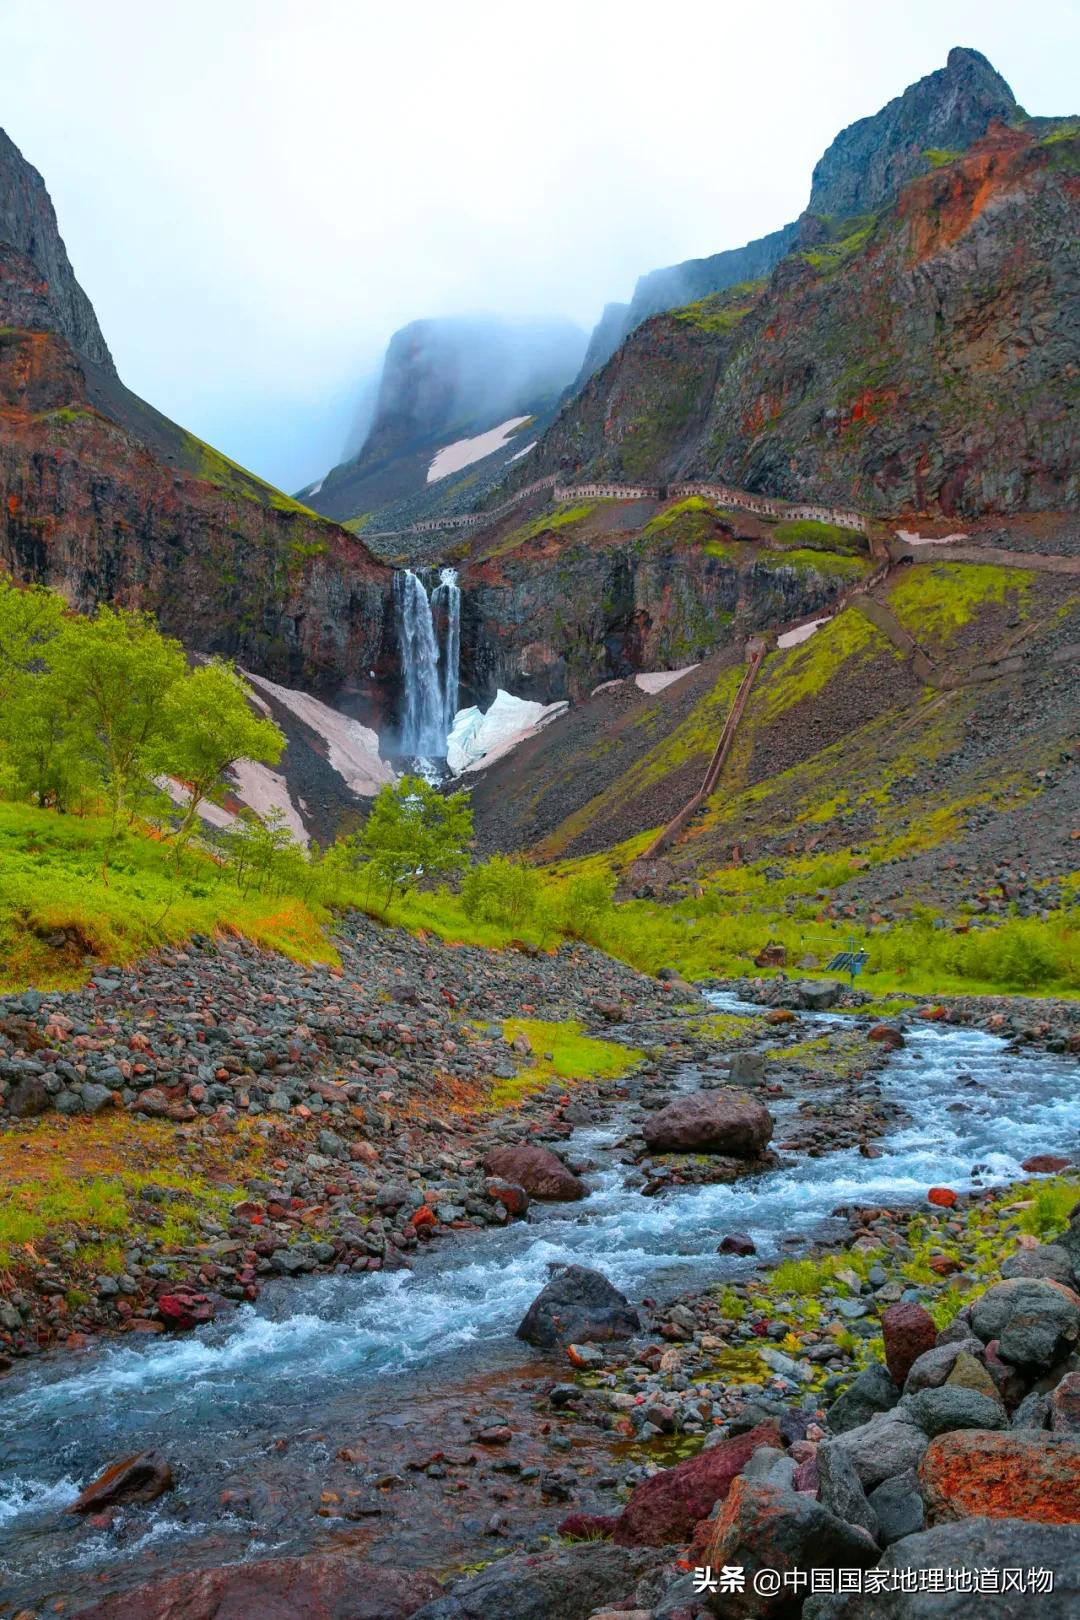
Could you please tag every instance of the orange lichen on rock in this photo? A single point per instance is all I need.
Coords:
(942, 205)
(983, 1473)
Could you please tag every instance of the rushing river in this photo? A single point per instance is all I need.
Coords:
(219, 1401)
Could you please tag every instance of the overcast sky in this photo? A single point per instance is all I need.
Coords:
(256, 193)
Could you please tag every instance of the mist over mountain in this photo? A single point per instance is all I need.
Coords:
(444, 380)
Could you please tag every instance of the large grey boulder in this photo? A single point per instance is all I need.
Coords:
(578, 1306)
(870, 1392)
(937, 1411)
(889, 1444)
(933, 1367)
(1051, 1260)
(974, 1544)
(840, 1488)
(1036, 1323)
(898, 1504)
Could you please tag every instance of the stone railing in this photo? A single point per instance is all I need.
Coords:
(760, 505)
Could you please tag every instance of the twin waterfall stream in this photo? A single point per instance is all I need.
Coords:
(429, 672)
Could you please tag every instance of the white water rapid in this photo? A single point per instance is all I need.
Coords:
(429, 673)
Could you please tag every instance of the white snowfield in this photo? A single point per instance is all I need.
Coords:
(264, 790)
(352, 749)
(662, 677)
(801, 633)
(518, 455)
(463, 452)
(478, 739)
(913, 538)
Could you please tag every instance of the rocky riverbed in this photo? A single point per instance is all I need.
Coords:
(392, 1419)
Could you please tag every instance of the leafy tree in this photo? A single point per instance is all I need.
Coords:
(30, 617)
(117, 671)
(260, 847)
(415, 831)
(207, 724)
(41, 741)
(501, 890)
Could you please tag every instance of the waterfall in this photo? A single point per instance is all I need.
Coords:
(449, 590)
(430, 702)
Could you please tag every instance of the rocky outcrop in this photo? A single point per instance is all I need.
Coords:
(945, 112)
(578, 1306)
(322, 1586)
(28, 224)
(918, 362)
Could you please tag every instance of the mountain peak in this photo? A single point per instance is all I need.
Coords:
(947, 110)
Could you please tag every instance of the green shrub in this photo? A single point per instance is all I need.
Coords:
(501, 890)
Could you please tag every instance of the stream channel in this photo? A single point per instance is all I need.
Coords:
(254, 1410)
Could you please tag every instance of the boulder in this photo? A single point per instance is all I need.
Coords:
(898, 1506)
(765, 1527)
(938, 1411)
(1017, 1473)
(840, 1489)
(1046, 1260)
(887, 1035)
(974, 1544)
(140, 1478)
(747, 1068)
(579, 1306)
(870, 1392)
(1036, 1322)
(889, 1444)
(1065, 1407)
(908, 1331)
(28, 1097)
(321, 1586)
(818, 994)
(1045, 1163)
(539, 1171)
(726, 1121)
(564, 1583)
(667, 1506)
(514, 1199)
(737, 1243)
(933, 1367)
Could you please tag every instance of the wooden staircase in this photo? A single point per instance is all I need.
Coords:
(756, 650)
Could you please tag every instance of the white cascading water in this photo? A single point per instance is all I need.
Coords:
(449, 591)
(429, 676)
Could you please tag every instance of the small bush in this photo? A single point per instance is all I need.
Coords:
(501, 890)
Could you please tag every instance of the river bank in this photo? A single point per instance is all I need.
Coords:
(368, 1408)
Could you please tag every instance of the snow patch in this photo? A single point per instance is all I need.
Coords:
(520, 453)
(657, 681)
(478, 739)
(463, 452)
(915, 539)
(801, 632)
(214, 814)
(352, 749)
(264, 790)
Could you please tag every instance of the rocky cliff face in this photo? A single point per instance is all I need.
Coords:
(944, 113)
(925, 361)
(863, 169)
(28, 224)
(92, 511)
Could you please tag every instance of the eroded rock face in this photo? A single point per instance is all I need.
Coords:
(322, 1586)
(1024, 1473)
(578, 1305)
(725, 1121)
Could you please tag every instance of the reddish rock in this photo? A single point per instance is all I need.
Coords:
(1001, 1474)
(424, 1218)
(887, 1036)
(1065, 1407)
(944, 1265)
(737, 1243)
(727, 1121)
(328, 1586)
(542, 1174)
(514, 1198)
(142, 1477)
(944, 1197)
(588, 1526)
(666, 1507)
(185, 1311)
(780, 1015)
(765, 1527)
(1045, 1163)
(908, 1332)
